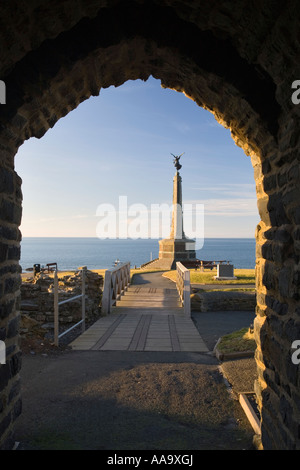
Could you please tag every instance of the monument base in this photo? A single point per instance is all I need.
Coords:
(216, 278)
(172, 250)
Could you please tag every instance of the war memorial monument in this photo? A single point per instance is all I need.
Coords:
(177, 247)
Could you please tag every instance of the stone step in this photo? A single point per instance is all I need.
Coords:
(157, 290)
(135, 310)
(130, 295)
(148, 304)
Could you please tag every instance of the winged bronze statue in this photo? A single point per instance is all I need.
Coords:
(176, 161)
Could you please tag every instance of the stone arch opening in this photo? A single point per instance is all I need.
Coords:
(210, 54)
(95, 106)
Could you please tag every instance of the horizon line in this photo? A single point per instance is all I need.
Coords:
(133, 239)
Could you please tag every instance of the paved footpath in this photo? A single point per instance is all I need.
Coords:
(123, 400)
(149, 317)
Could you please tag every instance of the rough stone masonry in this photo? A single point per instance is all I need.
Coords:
(236, 59)
(37, 298)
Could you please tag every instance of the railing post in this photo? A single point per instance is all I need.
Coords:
(116, 281)
(183, 285)
(83, 274)
(127, 276)
(187, 292)
(106, 300)
(56, 313)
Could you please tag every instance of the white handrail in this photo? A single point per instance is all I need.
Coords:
(116, 281)
(57, 336)
(183, 285)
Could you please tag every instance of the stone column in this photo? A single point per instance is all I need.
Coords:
(177, 215)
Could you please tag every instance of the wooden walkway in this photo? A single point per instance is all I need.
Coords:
(147, 318)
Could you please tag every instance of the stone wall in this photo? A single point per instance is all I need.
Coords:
(223, 301)
(37, 298)
(236, 59)
(10, 282)
(277, 324)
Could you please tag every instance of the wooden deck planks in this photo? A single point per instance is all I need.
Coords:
(145, 319)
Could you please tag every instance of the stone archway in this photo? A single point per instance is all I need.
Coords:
(235, 60)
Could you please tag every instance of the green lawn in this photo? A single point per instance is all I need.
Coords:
(244, 276)
(242, 340)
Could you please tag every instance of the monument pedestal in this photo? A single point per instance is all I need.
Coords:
(172, 250)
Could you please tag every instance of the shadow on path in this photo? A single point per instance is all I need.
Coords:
(156, 279)
(99, 400)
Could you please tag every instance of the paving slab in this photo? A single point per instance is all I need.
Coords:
(142, 332)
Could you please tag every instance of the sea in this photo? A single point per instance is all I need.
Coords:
(95, 253)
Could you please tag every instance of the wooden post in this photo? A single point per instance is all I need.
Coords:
(105, 307)
(56, 312)
(187, 293)
(128, 275)
(250, 413)
(83, 274)
(116, 281)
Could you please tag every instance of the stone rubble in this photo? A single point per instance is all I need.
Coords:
(37, 299)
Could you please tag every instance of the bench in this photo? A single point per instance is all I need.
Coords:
(51, 267)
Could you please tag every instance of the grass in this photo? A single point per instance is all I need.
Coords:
(244, 276)
(238, 341)
(240, 289)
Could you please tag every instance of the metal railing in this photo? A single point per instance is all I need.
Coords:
(183, 284)
(57, 336)
(116, 281)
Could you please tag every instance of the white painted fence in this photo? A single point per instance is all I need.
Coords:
(57, 336)
(116, 281)
(183, 285)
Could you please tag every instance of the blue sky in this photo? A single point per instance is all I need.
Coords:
(120, 144)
